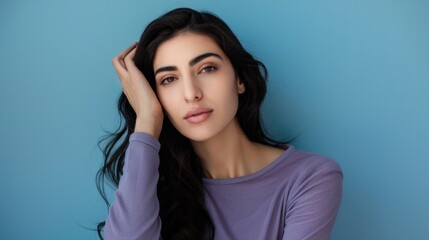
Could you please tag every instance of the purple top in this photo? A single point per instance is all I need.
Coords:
(295, 197)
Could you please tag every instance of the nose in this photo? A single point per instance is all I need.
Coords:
(191, 89)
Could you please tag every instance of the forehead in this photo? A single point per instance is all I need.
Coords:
(184, 47)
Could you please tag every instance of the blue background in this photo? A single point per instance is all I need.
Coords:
(351, 78)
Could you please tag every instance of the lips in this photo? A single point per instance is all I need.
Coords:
(198, 115)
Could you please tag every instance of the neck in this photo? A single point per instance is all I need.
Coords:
(228, 154)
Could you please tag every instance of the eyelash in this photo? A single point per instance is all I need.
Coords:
(212, 68)
(167, 80)
(207, 69)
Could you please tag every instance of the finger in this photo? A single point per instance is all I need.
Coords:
(129, 62)
(124, 53)
(119, 65)
(130, 65)
(118, 61)
(129, 59)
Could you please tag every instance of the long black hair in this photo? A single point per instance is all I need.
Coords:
(180, 188)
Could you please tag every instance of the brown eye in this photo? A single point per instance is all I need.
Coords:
(167, 80)
(208, 69)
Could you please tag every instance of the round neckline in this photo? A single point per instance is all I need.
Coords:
(256, 174)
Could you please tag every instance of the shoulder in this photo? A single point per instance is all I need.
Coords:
(312, 195)
(307, 174)
(301, 171)
(306, 164)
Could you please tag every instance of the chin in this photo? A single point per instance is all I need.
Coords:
(198, 135)
(201, 133)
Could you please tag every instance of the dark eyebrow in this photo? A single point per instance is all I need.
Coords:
(165, 69)
(203, 56)
(191, 63)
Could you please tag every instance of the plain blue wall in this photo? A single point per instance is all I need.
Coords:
(350, 77)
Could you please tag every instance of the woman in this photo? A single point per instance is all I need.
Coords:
(194, 161)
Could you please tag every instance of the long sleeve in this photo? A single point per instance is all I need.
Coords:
(313, 208)
(135, 212)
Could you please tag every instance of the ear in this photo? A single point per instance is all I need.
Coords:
(240, 86)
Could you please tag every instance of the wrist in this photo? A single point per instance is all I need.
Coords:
(149, 126)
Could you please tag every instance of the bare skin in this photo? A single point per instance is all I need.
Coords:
(226, 154)
(139, 93)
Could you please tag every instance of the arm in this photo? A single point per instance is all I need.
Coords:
(134, 214)
(312, 210)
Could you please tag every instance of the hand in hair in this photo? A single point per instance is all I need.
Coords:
(149, 115)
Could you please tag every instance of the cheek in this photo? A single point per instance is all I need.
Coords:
(226, 97)
(166, 101)
(228, 91)
(170, 102)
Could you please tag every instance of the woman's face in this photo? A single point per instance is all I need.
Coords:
(197, 86)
